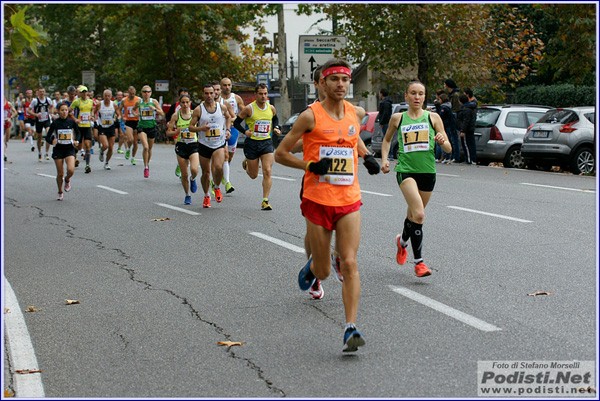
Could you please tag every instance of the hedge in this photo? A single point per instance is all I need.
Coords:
(564, 95)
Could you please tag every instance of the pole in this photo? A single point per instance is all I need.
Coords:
(292, 81)
(281, 55)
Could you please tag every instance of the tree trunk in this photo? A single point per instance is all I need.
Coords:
(422, 56)
(285, 108)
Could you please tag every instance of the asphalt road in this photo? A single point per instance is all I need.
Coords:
(156, 296)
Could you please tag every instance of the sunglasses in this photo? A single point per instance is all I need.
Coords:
(146, 91)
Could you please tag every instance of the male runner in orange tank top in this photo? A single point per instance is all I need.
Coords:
(331, 196)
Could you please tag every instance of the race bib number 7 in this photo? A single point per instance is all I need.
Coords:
(415, 137)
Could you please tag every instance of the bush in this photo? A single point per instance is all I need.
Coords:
(565, 95)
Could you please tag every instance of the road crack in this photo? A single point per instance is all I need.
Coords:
(70, 232)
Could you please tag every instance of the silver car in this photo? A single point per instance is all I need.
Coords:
(499, 132)
(564, 137)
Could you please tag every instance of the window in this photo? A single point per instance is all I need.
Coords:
(533, 117)
(516, 120)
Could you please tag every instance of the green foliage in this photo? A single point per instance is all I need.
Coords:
(494, 47)
(136, 44)
(563, 95)
(23, 36)
(569, 31)
(489, 94)
(475, 44)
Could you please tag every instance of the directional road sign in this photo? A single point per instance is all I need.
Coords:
(315, 50)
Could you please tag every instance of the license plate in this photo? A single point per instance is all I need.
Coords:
(541, 134)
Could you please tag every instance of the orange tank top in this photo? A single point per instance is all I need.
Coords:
(337, 140)
(128, 106)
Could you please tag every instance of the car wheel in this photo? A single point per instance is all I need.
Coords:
(513, 158)
(583, 161)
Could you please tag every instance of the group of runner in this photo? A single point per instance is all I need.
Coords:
(327, 132)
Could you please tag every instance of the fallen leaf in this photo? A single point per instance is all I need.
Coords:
(535, 294)
(229, 343)
(8, 393)
(31, 308)
(6, 310)
(71, 301)
(161, 219)
(27, 371)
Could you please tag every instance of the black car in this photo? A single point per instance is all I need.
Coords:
(285, 128)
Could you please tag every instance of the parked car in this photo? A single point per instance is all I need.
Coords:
(564, 137)
(285, 128)
(378, 134)
(499, 132)
(367, 126)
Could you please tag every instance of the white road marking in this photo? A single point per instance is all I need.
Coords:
(20, 348)
(279, 242)
(280, 178)
(112, 190)
(375, 193)
(179, 209)
(445, 309)
(448, 175)
(47, 175)
(500, 216)
(591, 191)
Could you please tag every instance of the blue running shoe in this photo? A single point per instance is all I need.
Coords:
(352, 340)
(306, 278)
(188, 200)
(193, 186)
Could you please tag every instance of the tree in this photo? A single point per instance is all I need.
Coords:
(136, 44)
(432, 42)
(569, 31)
(517, 47)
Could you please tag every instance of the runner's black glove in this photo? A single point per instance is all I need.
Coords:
(321, 167)
(371, 164)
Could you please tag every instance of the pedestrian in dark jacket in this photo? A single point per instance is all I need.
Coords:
(385, 113)
(466, 117)
(453, 94)
(444, 109)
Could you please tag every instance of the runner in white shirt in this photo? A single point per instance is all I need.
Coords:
(237, 104)
(41, 108)
(108, 114)
(212, 121)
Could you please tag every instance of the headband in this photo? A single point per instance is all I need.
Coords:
(336, 70)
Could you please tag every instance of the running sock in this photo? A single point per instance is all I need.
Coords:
(349, 326)
(416, 239)
(226, 171)
(405, 232)
(87, 158)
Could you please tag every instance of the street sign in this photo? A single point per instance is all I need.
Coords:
(315, 50)
(161, 85)
(263, 79)
(88, 78)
